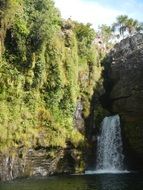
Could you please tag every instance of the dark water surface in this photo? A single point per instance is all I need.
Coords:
(132, 181)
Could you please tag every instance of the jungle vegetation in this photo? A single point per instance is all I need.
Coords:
(47, 65)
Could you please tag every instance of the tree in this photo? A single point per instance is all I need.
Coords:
(120, 24)
(125, 24)
(105, 32)
(131, 26)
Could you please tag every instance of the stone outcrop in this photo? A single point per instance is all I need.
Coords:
(40, 162)
(78, 118)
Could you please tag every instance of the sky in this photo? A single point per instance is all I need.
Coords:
(99, 12)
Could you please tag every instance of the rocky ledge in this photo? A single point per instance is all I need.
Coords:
(40, 162)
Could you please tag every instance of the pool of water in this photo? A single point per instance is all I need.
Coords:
(131, 181)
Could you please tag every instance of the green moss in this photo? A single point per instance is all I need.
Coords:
(99, 114)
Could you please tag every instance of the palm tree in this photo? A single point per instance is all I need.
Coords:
(120, 24)
(129, 25)
(132, 25)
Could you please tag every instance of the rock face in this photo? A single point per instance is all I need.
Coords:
(125, 75)
(78, 118)
(40, 162)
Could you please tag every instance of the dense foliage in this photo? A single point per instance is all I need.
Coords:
(47, 65)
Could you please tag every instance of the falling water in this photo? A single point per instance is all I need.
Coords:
(109, 146)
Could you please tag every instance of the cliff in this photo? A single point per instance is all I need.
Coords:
(49, 69)
(124, 84)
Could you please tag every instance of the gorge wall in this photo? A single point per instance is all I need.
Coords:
(124, 91)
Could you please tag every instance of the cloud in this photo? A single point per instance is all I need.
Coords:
(87, 11)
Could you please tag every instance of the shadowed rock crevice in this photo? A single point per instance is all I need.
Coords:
(123, 97)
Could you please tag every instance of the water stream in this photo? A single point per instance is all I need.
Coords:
(109, 158)
(109, 146)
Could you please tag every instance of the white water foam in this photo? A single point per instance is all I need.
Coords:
(90, 172)
(110, 156)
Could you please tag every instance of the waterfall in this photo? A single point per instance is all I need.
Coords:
(109, 146)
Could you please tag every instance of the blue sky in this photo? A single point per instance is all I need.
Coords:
(99, 12)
